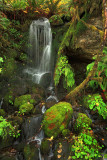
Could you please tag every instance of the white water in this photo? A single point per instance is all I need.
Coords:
(39, 52)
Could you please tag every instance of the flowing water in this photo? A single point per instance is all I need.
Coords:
(39, 51)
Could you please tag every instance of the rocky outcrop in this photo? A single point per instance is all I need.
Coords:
(88, 43)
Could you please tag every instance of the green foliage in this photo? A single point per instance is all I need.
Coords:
(100, 73)
(17, 4)
(7, 129)
(26, 108)
(63, 68)
(4, 22)
(95, 103)
(52, 5)
(82, 122)
(1, 61)
(85, 147)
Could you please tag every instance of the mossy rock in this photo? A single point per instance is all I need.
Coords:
(31, 152)
(82, 122)
(26, 108)
(24, 99)
(56, 118)
(2, 112)
(65, 132)
(56, 20)
(45, 147)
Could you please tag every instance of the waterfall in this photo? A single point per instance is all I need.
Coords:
(39, 52)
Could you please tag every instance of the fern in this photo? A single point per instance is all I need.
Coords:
(63, 68)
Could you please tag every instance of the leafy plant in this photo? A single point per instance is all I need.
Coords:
(96, 104)
(63, 68)
(7, 129)
(1, 61)
(85, 147)
(100, 73)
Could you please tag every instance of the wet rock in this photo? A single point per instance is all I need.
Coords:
(31, 152)
(57, 118)
(45, 147)
(31, 126)
(62, 150)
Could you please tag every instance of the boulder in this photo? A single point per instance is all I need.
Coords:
(57, 118)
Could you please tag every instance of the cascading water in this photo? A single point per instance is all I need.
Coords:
(39, 52)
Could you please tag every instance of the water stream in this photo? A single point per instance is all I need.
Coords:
(39, 51)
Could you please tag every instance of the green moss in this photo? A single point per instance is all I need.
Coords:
(30, 152)
(9, 67)
(56, 20)
(45, 147)
(65, 132)
(2, 112)
(26, 108)
(23, 57)
(57, 118)
(82, 122)
(23, 100)
(80, 27)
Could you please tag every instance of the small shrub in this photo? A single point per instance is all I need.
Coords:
(7, 129)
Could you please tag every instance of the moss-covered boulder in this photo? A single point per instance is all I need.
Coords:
(2, 112)
(96, 103)
(26, 108)
(56, 20)
(82, 122)
(24, 99)
(57, 118)
(45, 147)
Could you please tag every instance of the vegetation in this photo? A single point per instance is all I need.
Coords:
(7, 129)
(59, 121)
(85, 147)
(96, 103)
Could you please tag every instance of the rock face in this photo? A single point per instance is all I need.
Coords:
(57, 118)
(88, 42)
